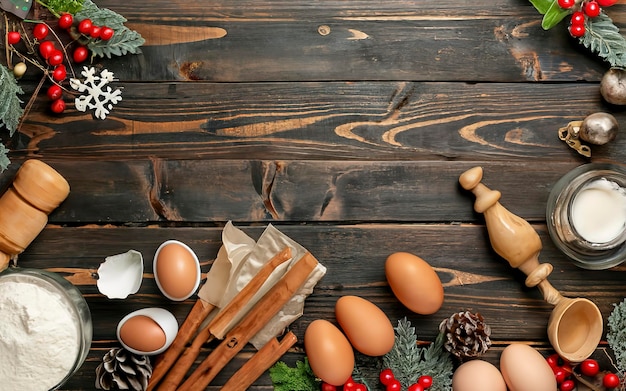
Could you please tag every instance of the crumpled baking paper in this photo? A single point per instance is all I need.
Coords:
(238, 261)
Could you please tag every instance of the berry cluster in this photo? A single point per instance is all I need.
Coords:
(581, 11)
(390, 382)
(349, 385)
(589, 367)
(55, 57)
(562, 372)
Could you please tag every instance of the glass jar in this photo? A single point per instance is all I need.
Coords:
(26, 319)
(586, 215)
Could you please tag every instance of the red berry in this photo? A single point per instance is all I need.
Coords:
(84, 27)
(425, 381)
(55, 58)
(54, 92)
(80, 54)
(40, 31)
(13, 37)
(566, 4)
(58, 106)
(65, 21)
(560, 374)
(106, 33)
(578, 18)
(577, 30)
(394, 385)
(349, 384)
(59, 73)
(553, 360)
(328, 387)
(591, 8)
(359, 387)
(386, 376)
(589, 367)
(567, 385)
(46, 48)
(416, 387)
(610, 380)
(95, 31)
(606, 3)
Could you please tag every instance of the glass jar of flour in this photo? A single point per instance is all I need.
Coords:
(46, 330)
(586, 215)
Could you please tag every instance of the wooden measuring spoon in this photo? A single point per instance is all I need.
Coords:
(575, 325)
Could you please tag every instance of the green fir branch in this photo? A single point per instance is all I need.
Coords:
(298, 378)
(616, 335)
(10, 109)
(603, 38)
(408, 361)
(4, 158)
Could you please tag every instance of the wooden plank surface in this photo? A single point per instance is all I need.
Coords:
(345, 124)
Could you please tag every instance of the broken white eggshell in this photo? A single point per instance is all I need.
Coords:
(120, 275)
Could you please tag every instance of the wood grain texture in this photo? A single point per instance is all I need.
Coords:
(355, 121)
(345, 124)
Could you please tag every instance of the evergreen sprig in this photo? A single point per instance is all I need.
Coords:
(616, 335)
(10, 109)
(298, 378)
(603, 38)
(124, 40)
(408, 361)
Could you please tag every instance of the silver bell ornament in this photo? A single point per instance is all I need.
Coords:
(597, 128)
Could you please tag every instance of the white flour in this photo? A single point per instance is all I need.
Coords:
(38, 337)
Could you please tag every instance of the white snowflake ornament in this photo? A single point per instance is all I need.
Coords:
(100, 96)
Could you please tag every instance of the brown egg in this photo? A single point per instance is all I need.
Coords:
(330, 354)
(414, 282)
(142, 333)
(477, 375)
(367, 327)
(525, 369)
(176, 270)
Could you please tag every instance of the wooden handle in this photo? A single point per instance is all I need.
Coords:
(252, 323)
(512, 237)
(259, 363)
(221, 321)
(164, 362)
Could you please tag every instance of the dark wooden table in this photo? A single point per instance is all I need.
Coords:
(345, 124)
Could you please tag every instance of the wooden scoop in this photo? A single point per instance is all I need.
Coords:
(575, 325)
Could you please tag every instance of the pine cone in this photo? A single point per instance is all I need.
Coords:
(466, 335)
(123, 370)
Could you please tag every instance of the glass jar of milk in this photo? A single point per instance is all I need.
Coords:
(586, 215)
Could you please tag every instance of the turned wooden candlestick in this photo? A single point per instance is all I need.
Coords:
(575, 325)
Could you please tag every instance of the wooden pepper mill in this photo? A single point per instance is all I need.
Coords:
(575, 325)
(37, 190)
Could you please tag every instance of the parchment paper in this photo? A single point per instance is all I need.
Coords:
(244, 260)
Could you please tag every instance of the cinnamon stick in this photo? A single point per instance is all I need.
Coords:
(252, 323)
(185, 362)
(259, 363)
(198, 313)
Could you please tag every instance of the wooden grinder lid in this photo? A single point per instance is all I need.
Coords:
(41, 185)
